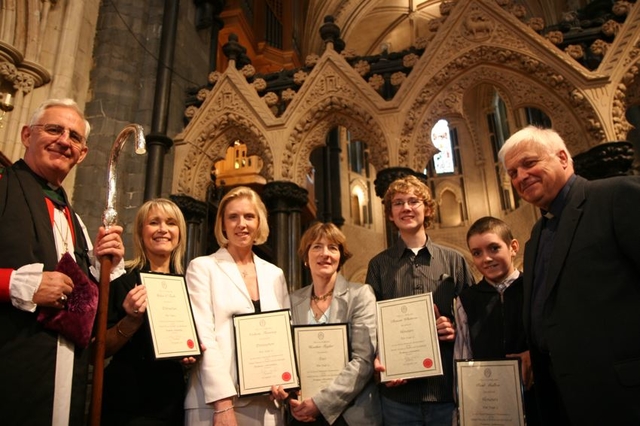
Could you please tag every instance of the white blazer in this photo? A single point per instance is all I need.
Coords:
(217, 292)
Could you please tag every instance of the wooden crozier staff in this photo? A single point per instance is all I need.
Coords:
(109, 217)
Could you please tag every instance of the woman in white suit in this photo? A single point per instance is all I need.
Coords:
(233, 280)
(352, 398)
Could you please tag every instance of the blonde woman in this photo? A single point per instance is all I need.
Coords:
(137, 388)
(233, 280)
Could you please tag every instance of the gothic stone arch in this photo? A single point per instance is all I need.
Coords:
(527, 81)
(211, 145)
(311, 130)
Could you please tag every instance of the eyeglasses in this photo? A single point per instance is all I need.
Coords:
(58, 130)
(412, 202)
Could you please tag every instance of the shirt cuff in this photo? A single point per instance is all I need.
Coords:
(24, 283)
(116, 270)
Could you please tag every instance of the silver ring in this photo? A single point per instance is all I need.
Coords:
(135, 311)
(63, 299)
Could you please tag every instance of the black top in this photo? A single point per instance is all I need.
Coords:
(137, 388)
(495, 323)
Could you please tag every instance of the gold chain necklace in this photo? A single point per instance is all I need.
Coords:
(64, 238)
(323, 297)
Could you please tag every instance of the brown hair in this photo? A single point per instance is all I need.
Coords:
(329, 231)
(491, 224)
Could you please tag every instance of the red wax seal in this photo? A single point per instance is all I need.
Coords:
(190, 344)
(286, 376)
(428, 363)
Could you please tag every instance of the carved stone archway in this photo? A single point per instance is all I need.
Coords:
(211, 145)
(324, 116)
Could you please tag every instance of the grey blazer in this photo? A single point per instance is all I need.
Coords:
(353, 393)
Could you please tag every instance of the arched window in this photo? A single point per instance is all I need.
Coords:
(360, 182)
(445, 170)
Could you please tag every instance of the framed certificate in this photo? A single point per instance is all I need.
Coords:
(170, 317)
(489, 392)
(264, 352)
(322, 352)
(407, 338)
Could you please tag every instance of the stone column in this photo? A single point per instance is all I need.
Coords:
(195, 213)
(384, 178)
(605, 160)
(284, 201)
(332, 177)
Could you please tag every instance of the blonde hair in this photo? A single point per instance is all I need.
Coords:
(261, 210)
(169, 208)
(329, 231)
(405, 185)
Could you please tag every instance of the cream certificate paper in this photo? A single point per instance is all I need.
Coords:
(322, 352)
(407, 338)
(170, 318)
(264, 352)
(489, 392)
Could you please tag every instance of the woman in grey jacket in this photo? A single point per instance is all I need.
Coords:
(351, 398)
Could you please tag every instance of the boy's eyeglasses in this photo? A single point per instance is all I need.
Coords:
(58, 130)
(412, 202)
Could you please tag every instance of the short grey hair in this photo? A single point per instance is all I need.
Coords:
(64, 102)
(548, 138)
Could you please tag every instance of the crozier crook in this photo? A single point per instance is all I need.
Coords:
(109, 217)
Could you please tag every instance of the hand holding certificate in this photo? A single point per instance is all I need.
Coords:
(170, 318)
(322, 352)
(407, 338)
(264, 352)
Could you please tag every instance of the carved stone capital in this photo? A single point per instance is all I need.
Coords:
(284, 195)
(605, 160)
(386, 176)
(192, 209)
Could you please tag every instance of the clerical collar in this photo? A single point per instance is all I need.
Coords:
(556, 207)
(55, 194)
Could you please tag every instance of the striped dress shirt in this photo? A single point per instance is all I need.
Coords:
(398, 272)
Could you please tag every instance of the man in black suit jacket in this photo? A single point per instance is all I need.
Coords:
(582, 284)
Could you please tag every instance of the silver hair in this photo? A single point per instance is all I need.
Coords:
(547, 138)
(65, 102)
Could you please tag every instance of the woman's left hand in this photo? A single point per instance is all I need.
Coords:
(190, 360)
(305, 411)
(135, 303)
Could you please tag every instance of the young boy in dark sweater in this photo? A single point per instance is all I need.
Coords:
(489, 314)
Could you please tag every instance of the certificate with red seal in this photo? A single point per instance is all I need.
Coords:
(264, 352)
(408, 344)
(322, 352)
(170, 316)
(489, 392)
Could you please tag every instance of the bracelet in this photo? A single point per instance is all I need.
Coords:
(126, 336)
(223, 410)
